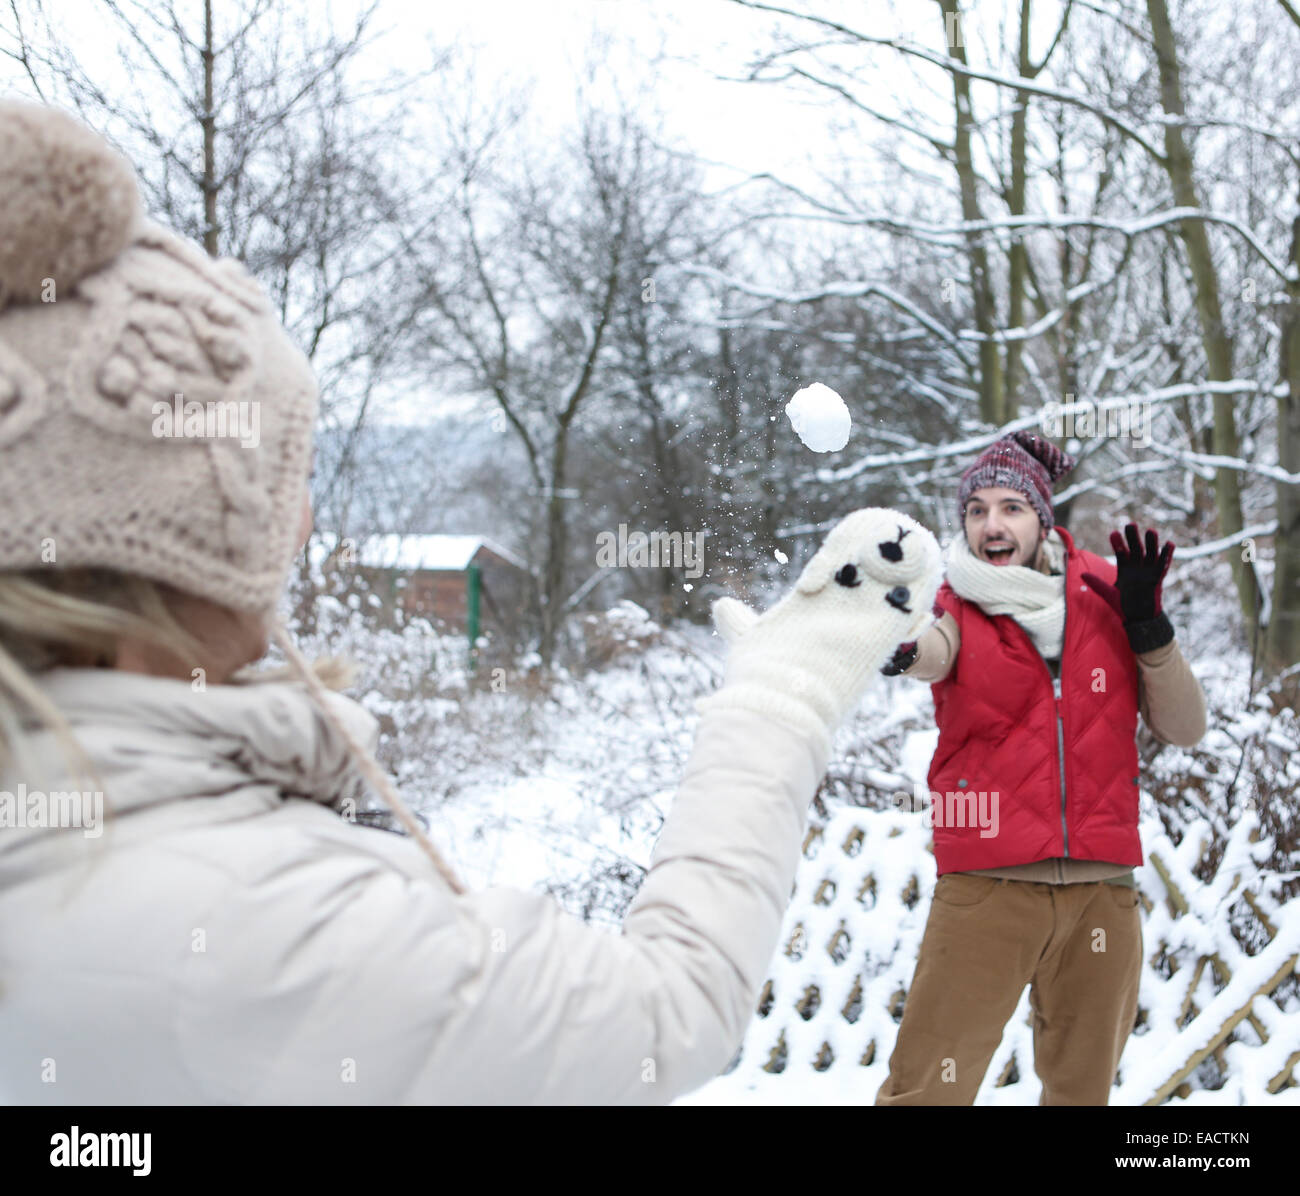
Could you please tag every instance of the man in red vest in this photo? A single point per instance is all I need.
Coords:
(1042, 657)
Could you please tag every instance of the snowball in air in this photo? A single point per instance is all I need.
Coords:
(780, 556)
(820, 418)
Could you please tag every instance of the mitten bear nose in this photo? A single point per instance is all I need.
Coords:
(892, 550)
(898, 598)
(848, 575)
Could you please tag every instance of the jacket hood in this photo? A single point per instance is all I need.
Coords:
(154, 741)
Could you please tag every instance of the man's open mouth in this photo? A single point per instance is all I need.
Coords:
(999, 554)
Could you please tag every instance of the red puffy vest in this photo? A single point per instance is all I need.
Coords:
(1061, 757)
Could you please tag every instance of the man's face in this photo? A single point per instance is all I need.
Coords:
(1002, 528)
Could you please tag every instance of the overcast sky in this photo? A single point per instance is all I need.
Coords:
(669, 51)
(670, 48)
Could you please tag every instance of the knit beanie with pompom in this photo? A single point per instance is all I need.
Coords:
(1022, 461)
(154, 417)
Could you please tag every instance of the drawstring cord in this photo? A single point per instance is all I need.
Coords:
(364, 760)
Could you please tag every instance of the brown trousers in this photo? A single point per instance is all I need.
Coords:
(1078, 946)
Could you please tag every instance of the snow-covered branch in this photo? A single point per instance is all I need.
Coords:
(1050, 319)
(974, 444)
(1212, 546)
(833, 290)
(1015, 83)
(1132, 469)
(1211, 462)
(954, 235)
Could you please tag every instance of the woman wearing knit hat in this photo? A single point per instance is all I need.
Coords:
(185, 916)
(1041, 659)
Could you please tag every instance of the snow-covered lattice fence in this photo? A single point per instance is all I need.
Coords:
(1203, 997)
(1207, 1030)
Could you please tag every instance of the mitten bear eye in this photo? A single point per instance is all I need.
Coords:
(898, 598)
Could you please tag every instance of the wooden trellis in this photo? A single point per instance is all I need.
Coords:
(828, 1014)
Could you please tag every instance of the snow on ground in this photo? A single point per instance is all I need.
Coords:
(562, 790)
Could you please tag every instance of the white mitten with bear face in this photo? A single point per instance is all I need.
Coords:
(809, 659)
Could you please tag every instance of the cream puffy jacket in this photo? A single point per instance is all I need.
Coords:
(231, 938)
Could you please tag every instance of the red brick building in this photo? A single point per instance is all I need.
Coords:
(464, 582)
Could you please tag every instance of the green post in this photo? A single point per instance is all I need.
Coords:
(473, 587)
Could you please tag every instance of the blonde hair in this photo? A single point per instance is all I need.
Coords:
(75, 618)
(78, 618)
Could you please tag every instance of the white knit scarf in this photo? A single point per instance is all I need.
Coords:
(1035, 600)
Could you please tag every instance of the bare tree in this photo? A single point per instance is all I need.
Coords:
(523, 296)
(1209, 308)
(256, 133)
(1088, 278)
(1284, 625)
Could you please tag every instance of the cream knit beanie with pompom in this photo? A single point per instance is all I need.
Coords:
(154, 417)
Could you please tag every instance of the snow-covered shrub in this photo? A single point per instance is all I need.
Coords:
(624, 629)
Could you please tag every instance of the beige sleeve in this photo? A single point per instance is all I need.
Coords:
(936, 650)
(1170, 697)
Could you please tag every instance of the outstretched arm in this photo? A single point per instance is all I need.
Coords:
(936, 651)
(932, 655)
(368, 984)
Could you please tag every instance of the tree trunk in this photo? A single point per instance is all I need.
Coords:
(1283, 644)
(557, 551)
(993, 398)
(1214, 336)
(209, 123)
(557, 519)
(1018, 263)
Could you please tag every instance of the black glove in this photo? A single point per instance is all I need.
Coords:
(904, 658)
(1135, 596)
